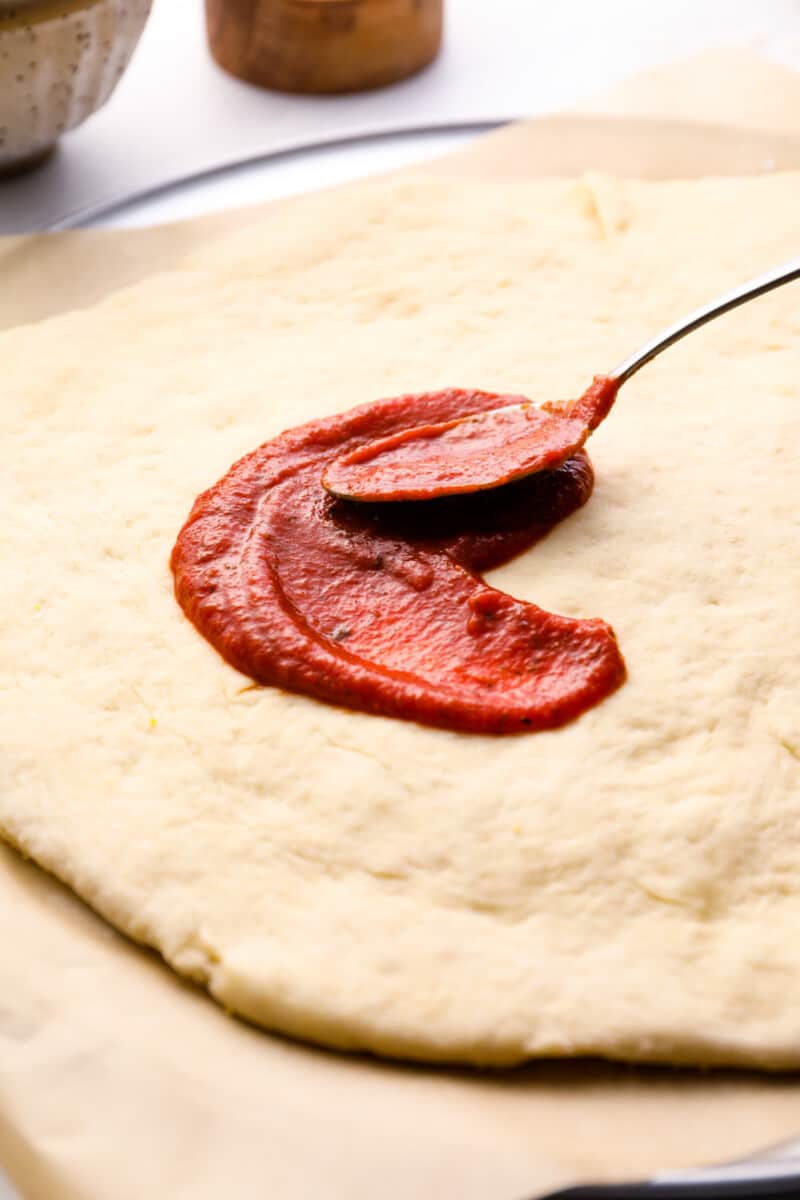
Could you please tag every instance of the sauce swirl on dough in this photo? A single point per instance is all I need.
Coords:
(383, 608)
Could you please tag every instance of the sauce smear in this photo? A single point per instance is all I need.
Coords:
(382, 608)
(470, 454)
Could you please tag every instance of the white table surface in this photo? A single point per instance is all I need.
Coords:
(175, 113)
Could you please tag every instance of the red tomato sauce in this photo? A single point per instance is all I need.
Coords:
(470, 454)
(456, 457)
(382, 608)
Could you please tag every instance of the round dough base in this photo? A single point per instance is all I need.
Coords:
(626, 886)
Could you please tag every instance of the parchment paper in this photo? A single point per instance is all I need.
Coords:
(118, 1081)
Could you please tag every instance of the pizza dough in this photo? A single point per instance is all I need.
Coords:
(625, 886)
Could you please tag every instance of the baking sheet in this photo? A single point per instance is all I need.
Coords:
(117, 1080)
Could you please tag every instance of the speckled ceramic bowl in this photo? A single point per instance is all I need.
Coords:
(59, 62)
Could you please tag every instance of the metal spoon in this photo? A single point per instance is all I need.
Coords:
(489, 449)
(769, 1173)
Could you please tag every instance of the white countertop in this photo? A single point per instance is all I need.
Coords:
(176, 113)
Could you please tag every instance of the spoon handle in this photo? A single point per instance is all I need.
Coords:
(722, 304)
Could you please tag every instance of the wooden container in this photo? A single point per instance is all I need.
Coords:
(324, 45)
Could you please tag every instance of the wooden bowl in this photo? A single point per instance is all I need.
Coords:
(323, 45)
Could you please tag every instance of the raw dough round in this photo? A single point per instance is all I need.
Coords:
(625, 886)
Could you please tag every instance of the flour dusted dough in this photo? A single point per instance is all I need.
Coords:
(626, 886)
